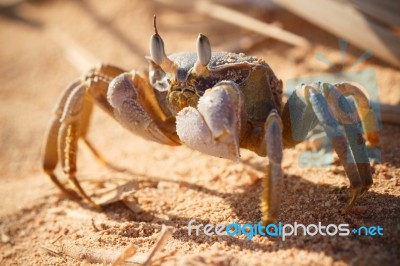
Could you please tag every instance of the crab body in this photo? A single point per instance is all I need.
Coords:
(215, 103)
(258, 85)
(249, 73)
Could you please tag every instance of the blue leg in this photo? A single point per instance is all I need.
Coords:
(311, 105)
(349, 118)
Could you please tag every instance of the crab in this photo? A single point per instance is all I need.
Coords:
(212, 102)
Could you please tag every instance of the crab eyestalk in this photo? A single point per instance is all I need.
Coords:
(203, 55)
(157, 52)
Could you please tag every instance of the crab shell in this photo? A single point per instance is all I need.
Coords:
(261, 89)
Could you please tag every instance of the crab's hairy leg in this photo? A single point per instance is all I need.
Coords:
(215, 126)
(132, 108)
(93, 90)
(97, 89)
(50, 145)
(99, 156)
(52, 152)
(69, 134)
(98, 86)
(273, 180)
(351, 150)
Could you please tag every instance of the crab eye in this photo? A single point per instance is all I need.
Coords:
(157, 51)
(203, 50)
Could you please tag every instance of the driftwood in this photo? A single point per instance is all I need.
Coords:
(127, 256)
(386, 11)
(390, 113)
(345, 21)
(239, 19)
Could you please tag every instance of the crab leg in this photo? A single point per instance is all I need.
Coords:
(298, 118)
(272, 182)
(364, 110)
(70, 122)
(99, 157)
(50, 146)
(310, 104)
(339, 141)
(353, 129)
(69, 134)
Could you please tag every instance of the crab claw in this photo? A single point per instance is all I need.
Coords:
(213, 128)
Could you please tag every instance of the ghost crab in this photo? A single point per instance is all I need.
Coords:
(213, 102)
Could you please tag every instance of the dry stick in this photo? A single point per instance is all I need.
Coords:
(239, 19)
(348, 23)
(80, 252)
(245, 43)
(377, 9)
(390, 113)
(166, 233)
(127, 253)
(96, 229)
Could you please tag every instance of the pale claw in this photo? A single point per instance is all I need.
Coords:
(214, 127)
(194, 132)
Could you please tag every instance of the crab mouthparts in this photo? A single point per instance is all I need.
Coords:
(187, 98)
